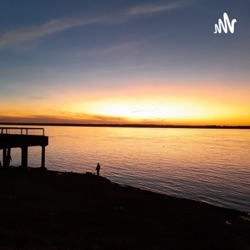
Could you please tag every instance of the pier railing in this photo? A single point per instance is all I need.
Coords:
(21, 131)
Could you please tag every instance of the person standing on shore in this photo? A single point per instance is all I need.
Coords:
(98, 167)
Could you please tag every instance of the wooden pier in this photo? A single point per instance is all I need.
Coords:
(20, 137)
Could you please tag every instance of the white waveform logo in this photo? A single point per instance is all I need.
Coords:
(225, 25)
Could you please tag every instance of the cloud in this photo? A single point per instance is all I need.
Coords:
(63, 117)
(117, 48)
(148, 9)
(37, 98)
(20, 36)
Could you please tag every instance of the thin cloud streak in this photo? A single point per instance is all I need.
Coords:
(29, 34)
(16, 37)
(148, 9)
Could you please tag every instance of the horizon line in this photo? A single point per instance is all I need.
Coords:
(132, 125)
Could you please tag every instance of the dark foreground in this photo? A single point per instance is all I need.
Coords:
(51, 210)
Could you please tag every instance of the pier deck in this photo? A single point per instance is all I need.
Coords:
(19, 137)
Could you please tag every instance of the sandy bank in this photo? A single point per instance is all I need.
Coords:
(53, 210)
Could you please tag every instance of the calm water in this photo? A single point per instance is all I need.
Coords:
(202, 164)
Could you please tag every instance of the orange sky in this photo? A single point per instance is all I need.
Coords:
(195, 105)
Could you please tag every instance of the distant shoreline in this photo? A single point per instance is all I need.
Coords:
(125, 125)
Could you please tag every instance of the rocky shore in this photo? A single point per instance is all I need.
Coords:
(43, 209)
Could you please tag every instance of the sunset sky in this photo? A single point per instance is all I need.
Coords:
(124, 61)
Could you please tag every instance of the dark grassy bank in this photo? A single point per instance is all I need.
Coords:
(51, 210)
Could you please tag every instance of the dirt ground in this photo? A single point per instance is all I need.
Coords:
(42, 209)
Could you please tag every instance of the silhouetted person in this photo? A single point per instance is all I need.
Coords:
(0, 164)
(98, 167)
